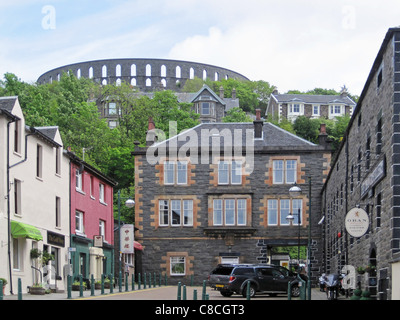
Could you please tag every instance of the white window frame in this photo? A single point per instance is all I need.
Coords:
(78, 183)
(102, 228)
(316, 107)
(282, 166)
(102, 193)
(223, 209)
(175, 172)
(177, 260)
(230, 172)
(184, 208)
(79, 222)
(279, 209)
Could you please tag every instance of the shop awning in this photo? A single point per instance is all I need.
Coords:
(23, 230)
(137, 245)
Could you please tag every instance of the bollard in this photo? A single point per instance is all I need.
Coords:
(126, 282)
(102, 284)
(19, 289)
(184, 293)
(203, 295)
(303, 287)
(80, 286)
(194, 294)
(1, 289)
(289, 291)
(154, 280)
(139, 281)
(149, 279)
(159, 279)
(179, 291)
(145, 280)
(133, 282)
(69, 287)
(111, 277)
(248, 290)
(92, 285)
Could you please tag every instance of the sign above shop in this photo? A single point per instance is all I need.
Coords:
(372, 179)
(357, 222)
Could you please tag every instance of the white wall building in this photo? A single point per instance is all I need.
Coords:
(34, 201)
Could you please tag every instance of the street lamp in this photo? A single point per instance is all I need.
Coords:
(130, 204)
(295, 191)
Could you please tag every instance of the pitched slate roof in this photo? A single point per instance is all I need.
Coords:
(7, 105)
(212, 135)
(309, 99)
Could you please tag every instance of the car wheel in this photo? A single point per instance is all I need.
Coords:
(295, 291)
(226, 293)
(252, 291)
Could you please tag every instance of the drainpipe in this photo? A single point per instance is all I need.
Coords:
(8, 204)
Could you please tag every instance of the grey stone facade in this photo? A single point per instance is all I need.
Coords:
(145, 74)
(365, 174)
(204, 243)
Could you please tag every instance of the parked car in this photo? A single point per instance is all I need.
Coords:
(271, 279)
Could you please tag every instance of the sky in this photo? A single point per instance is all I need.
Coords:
(292, 44)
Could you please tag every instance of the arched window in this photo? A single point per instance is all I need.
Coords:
(204, 74)
(164, 83)
(191, 73)
(78, 73)
(148, 70)
(148, 82)
(118, 70)
(104, 71)
(178, 72)
(104, 82)
(133, 82)
(163, 71)
(118, 82)
(133, 70)
(91, 73)
(216, 76)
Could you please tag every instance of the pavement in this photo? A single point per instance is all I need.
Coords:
(157, 293)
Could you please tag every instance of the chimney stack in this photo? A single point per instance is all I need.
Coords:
(221, 92)
(234, 94)
(151, 135)
(258, 125)
(323, 136)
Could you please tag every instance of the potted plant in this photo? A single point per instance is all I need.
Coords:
(370, 268)
(97, 285)
(4, 284)
(46, 257)
(37, 289)
(76, 285)
(35, 253)
(107, 283)
(360, 270)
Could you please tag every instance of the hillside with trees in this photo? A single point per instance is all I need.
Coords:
(71, 105)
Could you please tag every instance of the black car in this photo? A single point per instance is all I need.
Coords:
(271, 279)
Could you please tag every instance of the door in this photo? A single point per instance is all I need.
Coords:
(271, 279)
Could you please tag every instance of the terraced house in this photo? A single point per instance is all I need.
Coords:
(219, 192)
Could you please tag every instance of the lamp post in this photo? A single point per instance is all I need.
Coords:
(295, 191)
(130, 204)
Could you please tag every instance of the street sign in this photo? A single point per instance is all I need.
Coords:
(357, 222)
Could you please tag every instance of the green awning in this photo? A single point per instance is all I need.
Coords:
(23, 230)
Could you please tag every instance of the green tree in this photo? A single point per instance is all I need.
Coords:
(236, 115)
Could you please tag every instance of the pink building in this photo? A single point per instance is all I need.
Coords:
(92, 220)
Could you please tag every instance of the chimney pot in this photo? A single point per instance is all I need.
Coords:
(221, 92)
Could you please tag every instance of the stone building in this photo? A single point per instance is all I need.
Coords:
(365, 174)
(219, 192)
(291, 106)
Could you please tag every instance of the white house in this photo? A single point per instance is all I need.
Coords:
(34, 201)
